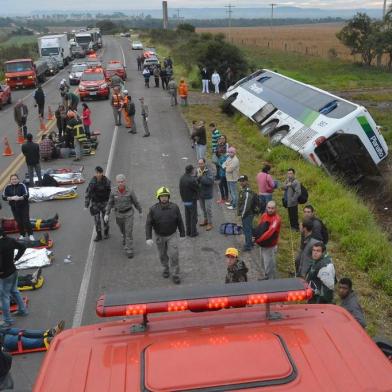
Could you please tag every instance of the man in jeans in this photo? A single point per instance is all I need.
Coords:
(232, 166)
(245, 211)
(199, 138)
(205, 178)
(31, 152)
(9, 277)
(269, 226)
(189, 191)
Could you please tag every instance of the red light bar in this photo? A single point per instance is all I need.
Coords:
(198, 299)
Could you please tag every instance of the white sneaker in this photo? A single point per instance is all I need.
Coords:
(228, 203)
(230, 208)
(31, 238)
(21, 237)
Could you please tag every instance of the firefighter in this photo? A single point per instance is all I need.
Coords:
(76, 129)
(165, 218)
(128, 110)
(97, 197)
(117, 105)
(123, 200)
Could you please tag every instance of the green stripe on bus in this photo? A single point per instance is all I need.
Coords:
(365, 125)
(308, 117)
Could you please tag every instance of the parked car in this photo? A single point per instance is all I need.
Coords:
(137, 45)
(77, 51)
(151, 62)
(115, 67)
(5, 95)
(76, 73)
(93, 84)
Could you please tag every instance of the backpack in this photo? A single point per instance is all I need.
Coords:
(258, 204)
(230, 229)
(303, 197)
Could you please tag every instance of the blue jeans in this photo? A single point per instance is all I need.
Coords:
(200, 151)
(232, 185)
(8, 288)
(247, 223)
(30, 338)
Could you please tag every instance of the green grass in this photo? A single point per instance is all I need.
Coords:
(323, 73)
(19, 40)
(358, 246)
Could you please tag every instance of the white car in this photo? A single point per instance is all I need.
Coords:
(76, 73)
(137, 45)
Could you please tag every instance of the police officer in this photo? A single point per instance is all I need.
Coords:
(76, 129)
(123, 200)
(165, 218)
(97, 197)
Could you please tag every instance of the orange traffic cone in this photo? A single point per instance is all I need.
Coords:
(42, 125)
(19, 138)
(7, 148)
(50, 114)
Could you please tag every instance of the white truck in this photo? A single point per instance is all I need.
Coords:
(56, 46)
(87, 40)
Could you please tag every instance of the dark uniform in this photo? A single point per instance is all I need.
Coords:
(97, 197)
(237, 272)
(123, 204)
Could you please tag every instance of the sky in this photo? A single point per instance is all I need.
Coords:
(26, 6)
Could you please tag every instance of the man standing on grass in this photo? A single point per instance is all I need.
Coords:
(349, 300)
(215, 135)
(292, 191)
(232, 167)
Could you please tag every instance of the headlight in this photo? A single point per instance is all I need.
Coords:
(72, 76)
(7, 79)
(30, 77)
(103, 85)
(81, 88)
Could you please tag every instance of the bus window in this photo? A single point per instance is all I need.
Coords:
(329, 107)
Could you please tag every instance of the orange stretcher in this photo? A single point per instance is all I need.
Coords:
(14, 306)
(36, 227)
(21, 350)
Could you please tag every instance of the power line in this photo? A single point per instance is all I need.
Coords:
(272, 12)
(229, 11)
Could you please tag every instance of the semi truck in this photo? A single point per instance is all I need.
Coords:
(87, 40)
(56, 46)
(22, 73)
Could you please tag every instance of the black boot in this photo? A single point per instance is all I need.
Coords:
(98, 237)
(106, 234)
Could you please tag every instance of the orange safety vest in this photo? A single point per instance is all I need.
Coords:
(117, 100)
(183, 90)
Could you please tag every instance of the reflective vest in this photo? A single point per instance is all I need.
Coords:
(78, 131)
(183, 90)
(117, 100)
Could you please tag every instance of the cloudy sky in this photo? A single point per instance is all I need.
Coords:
(12, 6)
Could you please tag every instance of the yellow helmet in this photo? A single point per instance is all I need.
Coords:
(231, 252)
(163, 191)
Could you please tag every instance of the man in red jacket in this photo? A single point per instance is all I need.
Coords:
(267, 237)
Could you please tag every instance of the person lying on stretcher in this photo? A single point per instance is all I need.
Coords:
(43, 242)
(30, 281)
(30, 339)
(9, 225)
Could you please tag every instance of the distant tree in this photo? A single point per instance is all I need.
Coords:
(360, 35)
(185, 27)
(106, 26)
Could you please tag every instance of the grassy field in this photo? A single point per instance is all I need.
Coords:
(19, 40)
(316, 40)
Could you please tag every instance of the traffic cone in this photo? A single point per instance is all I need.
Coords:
(42, 125)
(19, 138)
(50, 114)
(7, 148)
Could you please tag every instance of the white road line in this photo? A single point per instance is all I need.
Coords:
(88, 268)
(124, 62)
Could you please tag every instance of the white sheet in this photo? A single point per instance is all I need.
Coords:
(64, 177)
(34, 258)
(45, 193)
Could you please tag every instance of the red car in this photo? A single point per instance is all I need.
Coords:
(5, 95)
(115, 67)
(93, 84)
(217, 337)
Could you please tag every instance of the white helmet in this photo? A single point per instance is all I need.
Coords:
(125, 92)
(63, 81)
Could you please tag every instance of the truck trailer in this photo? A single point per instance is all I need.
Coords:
(56, 46)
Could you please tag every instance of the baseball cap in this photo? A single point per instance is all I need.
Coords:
(243, 178)
(231, 252)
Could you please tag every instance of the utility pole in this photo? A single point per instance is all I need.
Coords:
(229, 11)
(272, 12)
(384, 10)
(178, 13)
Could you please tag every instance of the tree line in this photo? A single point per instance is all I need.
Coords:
(369, 38)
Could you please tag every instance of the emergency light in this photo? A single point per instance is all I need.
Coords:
(203, 298)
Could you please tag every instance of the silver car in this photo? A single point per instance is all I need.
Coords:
(76, 73)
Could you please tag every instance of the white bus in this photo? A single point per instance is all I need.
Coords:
(329, 131)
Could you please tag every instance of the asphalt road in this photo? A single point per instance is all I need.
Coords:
(71, 290)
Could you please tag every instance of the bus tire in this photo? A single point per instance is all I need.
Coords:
(277, 137)
(269, 128)
(226, 104)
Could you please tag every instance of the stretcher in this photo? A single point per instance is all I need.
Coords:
(34, 258)
(14, 305)
(69, 178)
(36, 286)
(61, 170)
(21, 350)
(38, 194)
(10, 226)
(36, 244)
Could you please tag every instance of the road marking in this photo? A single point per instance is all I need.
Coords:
(88, 268)
(124, 62)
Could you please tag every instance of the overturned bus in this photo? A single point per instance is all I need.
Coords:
(327, 130)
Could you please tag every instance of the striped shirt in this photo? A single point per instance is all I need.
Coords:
(214, 139)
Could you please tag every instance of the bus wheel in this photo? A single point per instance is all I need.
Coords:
(269, 128)
(277, 137)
